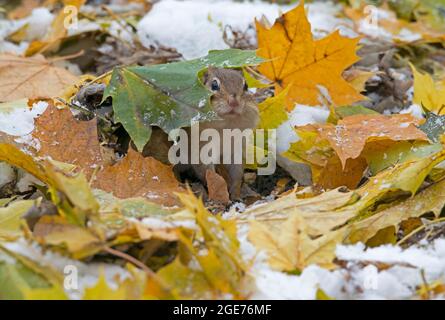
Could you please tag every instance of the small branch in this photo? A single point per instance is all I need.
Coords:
(130, 259)
(68, 57)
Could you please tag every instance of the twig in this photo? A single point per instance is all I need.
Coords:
(68, 57)
(106, 74)
(425, 283)
(418, 229)
(130, 259)
(82, 109)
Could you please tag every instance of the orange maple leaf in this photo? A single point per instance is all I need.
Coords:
(349, 137)
(296, 60)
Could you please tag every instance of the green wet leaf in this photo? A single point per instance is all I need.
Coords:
(347, 111)
(400, 152)
(170, 95)
(434, 126)
(338, 113)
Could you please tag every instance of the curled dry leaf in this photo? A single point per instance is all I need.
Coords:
(431, 199)
(296, 60)
(217, 187)
(136, 176)
(55, 231)
(31, 78)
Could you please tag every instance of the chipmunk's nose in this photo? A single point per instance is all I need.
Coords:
(233, 101)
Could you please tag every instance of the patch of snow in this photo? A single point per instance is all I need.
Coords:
(37, 24)
(20, 120)
(29, 141)
(415, 110)
(157, 223)
(408, 36)
(300, 116)
(195, 27)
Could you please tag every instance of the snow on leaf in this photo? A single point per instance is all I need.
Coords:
(350, 135)
(329, 148)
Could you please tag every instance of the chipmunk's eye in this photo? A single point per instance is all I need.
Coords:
(215, 85)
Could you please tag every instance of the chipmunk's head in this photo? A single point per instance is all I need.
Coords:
(229, 91)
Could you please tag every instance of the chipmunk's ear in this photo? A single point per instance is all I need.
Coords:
(208, 74)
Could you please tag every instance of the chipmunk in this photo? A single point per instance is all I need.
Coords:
(236, 108)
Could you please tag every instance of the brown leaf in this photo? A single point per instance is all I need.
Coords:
(33, 77)
(333, 175)
(68, 140)
(217, 187)
(136, 176)
(65, 139)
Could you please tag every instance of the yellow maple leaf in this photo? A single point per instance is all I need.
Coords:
(272, 111)
(296, 60)
(289, 247)
(102, 291)
(428, 93)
